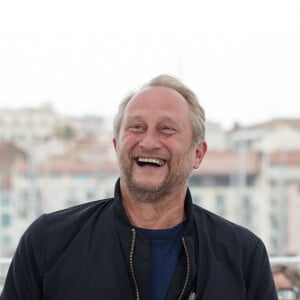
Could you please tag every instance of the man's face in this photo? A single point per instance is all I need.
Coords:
(154, 147)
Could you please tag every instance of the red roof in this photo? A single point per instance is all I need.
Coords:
(229, 162)
(275, 123)
(3, 144)
(70, 166)
(286, 157)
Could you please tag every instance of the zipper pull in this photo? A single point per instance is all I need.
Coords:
(192, 296)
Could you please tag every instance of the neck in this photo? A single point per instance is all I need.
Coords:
(166, 213)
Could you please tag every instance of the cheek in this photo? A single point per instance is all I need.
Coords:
(127, 143)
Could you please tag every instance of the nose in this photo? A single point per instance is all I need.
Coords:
(150, 140)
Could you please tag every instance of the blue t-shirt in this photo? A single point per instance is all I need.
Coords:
(165, 249)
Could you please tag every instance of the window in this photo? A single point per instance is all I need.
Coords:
(90, 195)
(56, 175)
(220, 205)
(246, 211)
(6, 220)
(6, 241)
(80, 175)
(210, 180)
(4, 199)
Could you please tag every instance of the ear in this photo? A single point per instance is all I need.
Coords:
(199, 154)
(115, 143)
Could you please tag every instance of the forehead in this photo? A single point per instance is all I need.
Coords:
(159, 99)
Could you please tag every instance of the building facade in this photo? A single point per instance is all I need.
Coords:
(250, 175)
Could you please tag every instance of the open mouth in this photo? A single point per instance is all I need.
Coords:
(153, 162)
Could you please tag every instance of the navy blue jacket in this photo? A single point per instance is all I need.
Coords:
(91, 252)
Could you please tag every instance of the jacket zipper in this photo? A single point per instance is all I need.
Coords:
(137, 292)
(187, 269)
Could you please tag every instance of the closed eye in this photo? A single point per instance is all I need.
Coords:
(167, 130)
(136, 128)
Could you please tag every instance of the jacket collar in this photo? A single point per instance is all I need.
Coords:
(121, 215)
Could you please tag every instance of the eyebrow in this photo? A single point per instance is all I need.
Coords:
(160, 120)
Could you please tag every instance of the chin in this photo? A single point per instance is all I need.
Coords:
(148, 186)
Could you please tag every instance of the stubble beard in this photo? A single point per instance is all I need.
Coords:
(176, 176)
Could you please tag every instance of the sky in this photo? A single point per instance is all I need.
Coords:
(242, 58)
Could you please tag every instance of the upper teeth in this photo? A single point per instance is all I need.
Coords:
(157, 161)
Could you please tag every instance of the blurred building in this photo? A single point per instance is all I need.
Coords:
(10, 157)
(250, 175)
(256, 182)
(22, 125)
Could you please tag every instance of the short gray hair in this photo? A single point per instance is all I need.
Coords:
(196, 110)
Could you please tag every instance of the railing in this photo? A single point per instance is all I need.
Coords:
(4, 264)
(290, 260)
(286, 260)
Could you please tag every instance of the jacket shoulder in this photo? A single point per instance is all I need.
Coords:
(233, 251)
(52, 233)
(72, 217)
(216, 228)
